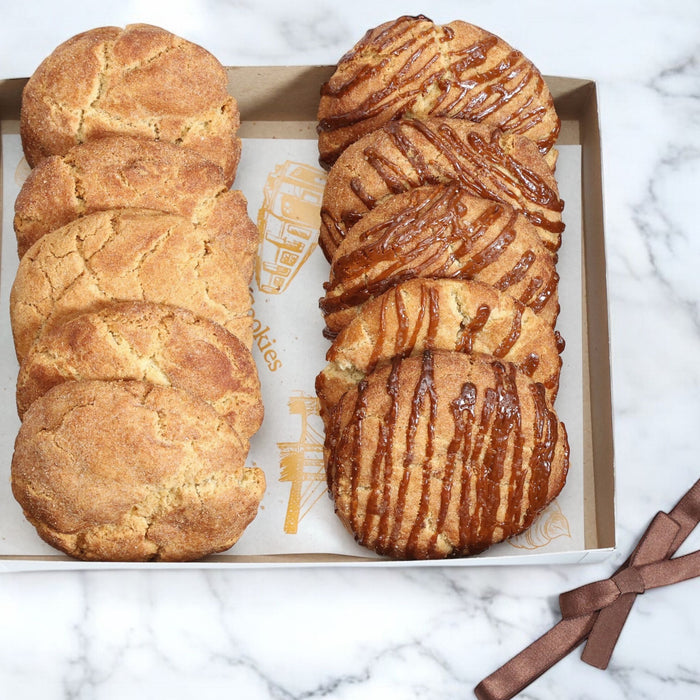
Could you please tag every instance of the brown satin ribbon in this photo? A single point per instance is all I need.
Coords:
(597, 611)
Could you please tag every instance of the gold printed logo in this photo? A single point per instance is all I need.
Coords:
(548, 526)
(288, 220)
(301, 462)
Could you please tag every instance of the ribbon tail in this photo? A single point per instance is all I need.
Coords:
(653, 546)
(606, 631)
(655, 569)
(686, 513)
(611, 619)
(670, 571)
(534, 660)
(597, 612)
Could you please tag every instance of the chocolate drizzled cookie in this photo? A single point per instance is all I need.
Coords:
(443, 454)
(407, 153)
(439, 231)
(440, 314)
(415, 68)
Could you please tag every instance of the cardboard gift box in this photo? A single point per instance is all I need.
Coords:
(280, 176)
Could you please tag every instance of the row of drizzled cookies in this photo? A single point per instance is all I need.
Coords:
(130, 309)
(441, 221)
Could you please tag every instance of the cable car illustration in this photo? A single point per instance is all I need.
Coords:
(288, 220)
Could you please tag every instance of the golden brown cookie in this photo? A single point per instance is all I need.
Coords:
(407, 153)
(160, 344)
(128, 471)
(413, 67)
(128, 255)
(439, 231)
(440, 314)
(443, 454)
(116, 172)
(139, 81)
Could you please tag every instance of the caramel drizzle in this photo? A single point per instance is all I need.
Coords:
(517, 273)
(530, 364)
(404, 342)
(484, 451)
(467, 88)
(475, 158)
(381, 337)
(330, 230)
(506, 345)
(425, 391)
(538, 301)
(433, 236)
(546, 438)
(457, 461)
(384, 456)
(427, 312)
(395, 90)
(481, 168)
(561, 343)
(518, 472)
(477, 323)
(481, 95)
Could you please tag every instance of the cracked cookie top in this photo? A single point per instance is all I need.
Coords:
(141, 81)
(129, 255)
(413, 67)
(132, 472)
(161, 344)
(115, 172)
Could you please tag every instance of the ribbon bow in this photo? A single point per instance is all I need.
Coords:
(597, 611)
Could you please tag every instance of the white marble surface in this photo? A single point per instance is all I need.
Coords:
(428, 633)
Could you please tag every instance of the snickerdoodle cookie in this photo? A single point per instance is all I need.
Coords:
(161, 344)
(115, 172)
(129, 471)
(139, 81)
(128, 255)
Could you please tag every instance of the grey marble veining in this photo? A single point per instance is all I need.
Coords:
(307, 633)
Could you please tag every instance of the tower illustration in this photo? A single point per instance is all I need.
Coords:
(301, 463)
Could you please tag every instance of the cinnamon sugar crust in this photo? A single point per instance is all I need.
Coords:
(116, 172)
(140, 81)
(156, 343)
(129, 471)
(128, 255)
